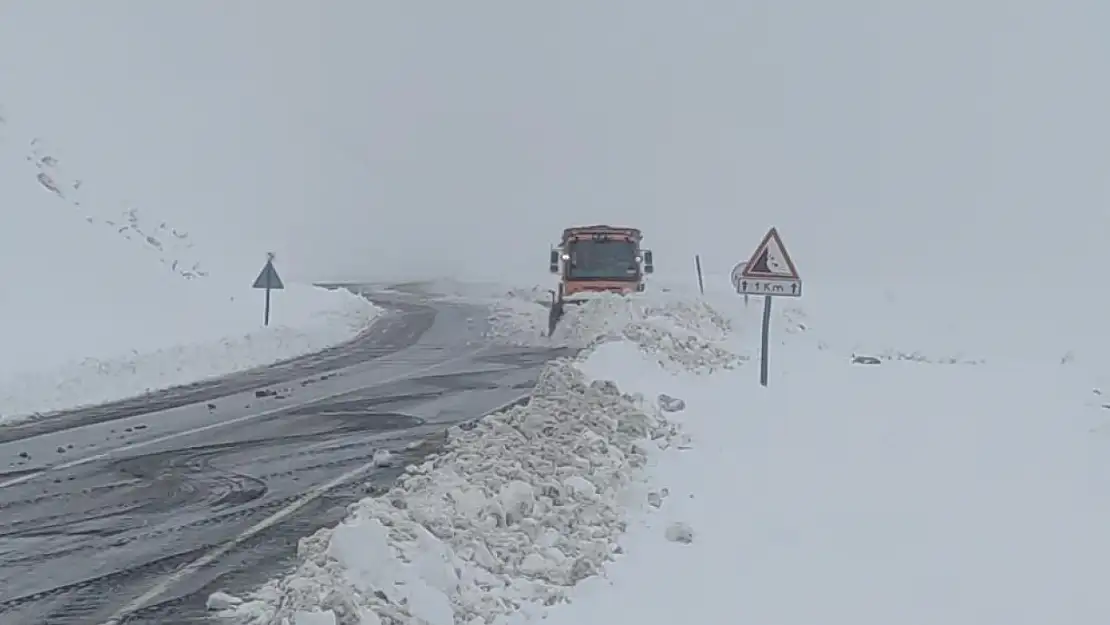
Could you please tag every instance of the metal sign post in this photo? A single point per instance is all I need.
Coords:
(268, 279)
(770, 273)
(697, 267)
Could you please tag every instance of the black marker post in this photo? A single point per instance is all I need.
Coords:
(763, 365)
(269, 280)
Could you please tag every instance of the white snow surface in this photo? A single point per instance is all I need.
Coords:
(908, 492)
(516, 509)
(952, 483)
(101, 301)
(681, 331)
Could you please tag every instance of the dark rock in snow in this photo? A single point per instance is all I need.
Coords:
(670, 404)
(866, 360)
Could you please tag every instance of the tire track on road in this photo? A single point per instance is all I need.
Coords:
(143, 532)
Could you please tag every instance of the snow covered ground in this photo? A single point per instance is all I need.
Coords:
(905, 492)
(517, 508)
(650, 482)
(102, 301)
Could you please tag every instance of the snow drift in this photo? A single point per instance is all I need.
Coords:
(517, 507)
(681, 331)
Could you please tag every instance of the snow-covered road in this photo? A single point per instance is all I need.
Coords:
(188, 491)
(520, 507)
(652, 480)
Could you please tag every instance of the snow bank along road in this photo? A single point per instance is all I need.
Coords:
(136, 511)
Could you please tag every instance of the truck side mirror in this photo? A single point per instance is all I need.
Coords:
(554, 262)
(649, 262)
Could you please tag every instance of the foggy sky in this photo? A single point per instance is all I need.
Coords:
(889, 141)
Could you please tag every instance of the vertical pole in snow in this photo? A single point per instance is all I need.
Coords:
(268, 279)
(266, 319)
(766, 339)
(697, 264)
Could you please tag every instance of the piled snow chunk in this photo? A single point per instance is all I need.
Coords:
(222, 601)
(518, 322)
(674, 351)
(679, 532)
(682, 333)
(611, 314)
(514, 512)
(671, 404)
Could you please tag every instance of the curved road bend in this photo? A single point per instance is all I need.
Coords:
(134, 512)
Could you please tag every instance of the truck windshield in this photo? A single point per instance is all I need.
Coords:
(603, 260)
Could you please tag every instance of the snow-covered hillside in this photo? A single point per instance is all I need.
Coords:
(648, 482)
(103, 300)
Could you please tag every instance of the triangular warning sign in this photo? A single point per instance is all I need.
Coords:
(771, 260)
(269, 278)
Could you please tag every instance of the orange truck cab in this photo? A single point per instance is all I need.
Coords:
(597, 259)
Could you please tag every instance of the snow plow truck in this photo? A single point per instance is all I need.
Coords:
(596, 259)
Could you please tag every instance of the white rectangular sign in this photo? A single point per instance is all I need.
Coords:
(767, 286)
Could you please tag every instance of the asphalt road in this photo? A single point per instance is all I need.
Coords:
(134, 512)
